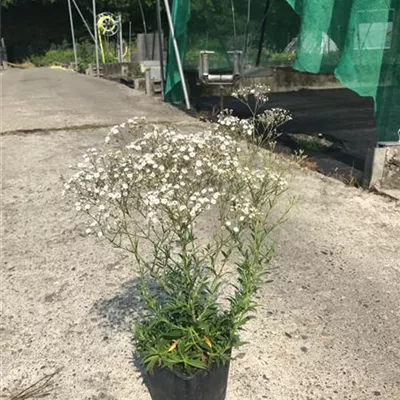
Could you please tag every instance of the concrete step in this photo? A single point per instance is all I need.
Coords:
(157, 86)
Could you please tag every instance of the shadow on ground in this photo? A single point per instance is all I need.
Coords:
(120, 311)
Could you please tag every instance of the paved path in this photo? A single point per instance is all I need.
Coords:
(44, 98)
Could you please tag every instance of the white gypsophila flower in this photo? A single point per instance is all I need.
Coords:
(168, 176)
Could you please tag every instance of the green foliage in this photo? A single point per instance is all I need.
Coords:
(64, 54)
(186, 326)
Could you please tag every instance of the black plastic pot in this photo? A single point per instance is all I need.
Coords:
(165, 384)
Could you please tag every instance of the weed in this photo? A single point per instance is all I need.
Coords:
(39, 389)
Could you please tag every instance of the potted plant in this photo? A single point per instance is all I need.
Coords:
(152, 191)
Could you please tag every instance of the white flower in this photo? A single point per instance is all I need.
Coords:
(100, 234)
(236, 229)
(228, 223)
(88, 230)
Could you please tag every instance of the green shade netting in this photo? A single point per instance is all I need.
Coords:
(365, 51)
(357, 40)
(180, 16)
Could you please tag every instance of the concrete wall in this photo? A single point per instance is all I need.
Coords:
(383, 169)
(391, 171)
(118, 70)
(148, 47)
(279, 79)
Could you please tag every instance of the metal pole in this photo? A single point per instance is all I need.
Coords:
(83, 19)
(144, 29)
(178, 58)
(130, 41)
(72, 34)
(247, 30)
(96, 40)
(121, 45)
(160, 44)
(234, 25)
(263, 26)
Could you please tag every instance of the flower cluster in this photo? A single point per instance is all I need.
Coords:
(235, 126)
(258, 91)
(132, 123)
(270, 120)
(166, 177)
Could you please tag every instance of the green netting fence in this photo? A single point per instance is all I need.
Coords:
(357, 40)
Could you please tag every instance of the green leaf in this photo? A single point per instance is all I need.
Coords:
(196, 364)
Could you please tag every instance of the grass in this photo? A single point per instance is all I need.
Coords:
(351, 179)
(317, 143)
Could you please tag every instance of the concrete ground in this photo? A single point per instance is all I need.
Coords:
(43, 99)
(329, 319)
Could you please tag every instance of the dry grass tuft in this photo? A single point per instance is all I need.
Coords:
(309, 164)
(24, 65)
(38, 390)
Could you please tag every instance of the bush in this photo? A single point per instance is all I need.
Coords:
(64, 54)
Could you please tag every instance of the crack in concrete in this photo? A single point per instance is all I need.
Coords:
(23, 132)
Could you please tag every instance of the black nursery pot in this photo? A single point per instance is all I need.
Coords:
(211, 384)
